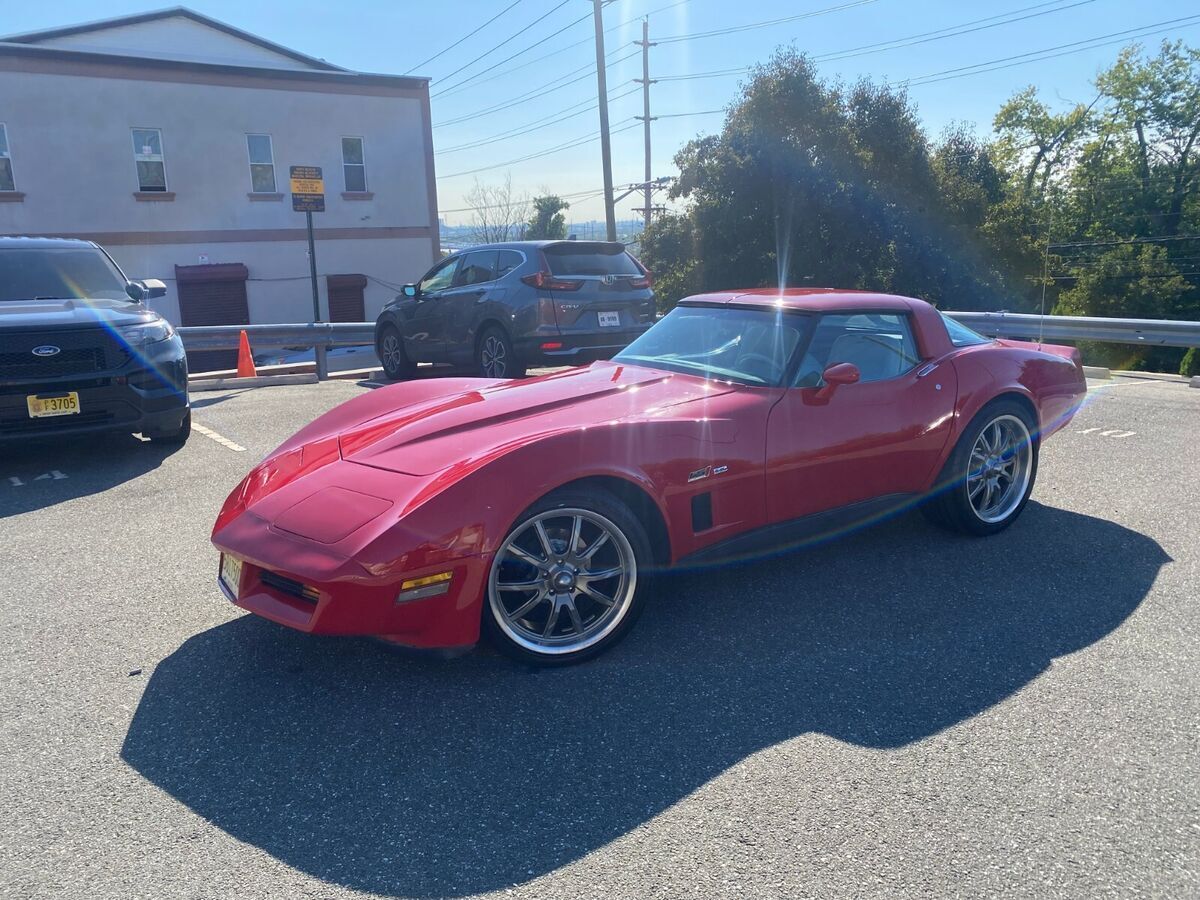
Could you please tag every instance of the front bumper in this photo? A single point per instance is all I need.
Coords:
(576, 348)
(147, 393)
(322, 589)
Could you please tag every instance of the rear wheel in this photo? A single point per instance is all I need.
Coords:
(989, 476)
(495, 357)
(568, 581)
(390, 347)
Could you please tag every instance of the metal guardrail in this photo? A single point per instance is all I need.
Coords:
(272, 337)
(1023, 326)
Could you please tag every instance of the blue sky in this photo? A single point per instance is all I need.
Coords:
(392, 36)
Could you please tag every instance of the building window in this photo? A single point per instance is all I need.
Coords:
(354, 170)
(6, 175)
(148, 154)
(262, 163)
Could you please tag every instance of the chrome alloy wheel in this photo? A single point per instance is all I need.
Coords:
(493, 357)
(563, 580)
(999, 468)
(393, 353)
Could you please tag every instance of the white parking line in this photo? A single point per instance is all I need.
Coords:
(220, 439)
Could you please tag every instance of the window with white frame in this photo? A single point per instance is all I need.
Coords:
(148, 155)
(354, 169)
(262, 163)
(6, 173)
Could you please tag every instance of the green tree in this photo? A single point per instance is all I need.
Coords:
(548, 222)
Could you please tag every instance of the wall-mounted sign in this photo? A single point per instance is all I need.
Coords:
(308, 189)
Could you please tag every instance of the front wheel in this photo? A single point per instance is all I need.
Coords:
(179, 436)
(989, 476)
(568, 581)
(390, 347)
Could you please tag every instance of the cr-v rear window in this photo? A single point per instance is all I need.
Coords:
(585, 259)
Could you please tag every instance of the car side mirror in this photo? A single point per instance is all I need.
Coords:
(154, 288)
(836, 375)
(410, 290)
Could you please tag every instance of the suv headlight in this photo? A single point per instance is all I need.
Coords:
(149, 333)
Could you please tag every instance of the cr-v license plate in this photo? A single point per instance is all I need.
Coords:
(609, 319)
(58, 405)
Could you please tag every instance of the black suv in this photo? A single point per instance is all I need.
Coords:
(502, 307)
(79, 351)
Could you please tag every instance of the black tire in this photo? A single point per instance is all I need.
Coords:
(389, 347)
(514, 638)
(495, 356)
(950, 506)
(175, 437)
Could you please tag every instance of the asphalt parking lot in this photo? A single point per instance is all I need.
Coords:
(897, 713)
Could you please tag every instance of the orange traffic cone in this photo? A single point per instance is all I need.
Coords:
(245, 360)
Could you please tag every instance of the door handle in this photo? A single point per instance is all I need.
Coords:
(926, 369)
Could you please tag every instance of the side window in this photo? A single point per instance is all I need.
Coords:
(262, 163)
(508, 260)
(6, 172)
(354, 168)
(148, 156)
(441, 276)
(961, 335)
(478, 267)
(880, 344)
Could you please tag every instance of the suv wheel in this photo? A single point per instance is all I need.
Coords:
(495, 357)
(390, 348)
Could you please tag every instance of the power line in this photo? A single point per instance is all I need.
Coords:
(511, 37)
(454, 89)
(1018, 15)
(469, 34)
(1148, 240)
(1006, 62)
(578, 142)
(734, 29)
(578, 195)
(541, 123)
(540, 91)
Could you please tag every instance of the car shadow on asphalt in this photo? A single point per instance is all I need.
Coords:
(39, 474)
(417, 776)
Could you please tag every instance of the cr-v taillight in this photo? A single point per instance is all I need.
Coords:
(545, 279)
(647, 279)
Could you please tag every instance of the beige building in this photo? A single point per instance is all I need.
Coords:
(167, 137)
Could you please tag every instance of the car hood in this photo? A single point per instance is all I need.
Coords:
(70, 314)
(464, 426)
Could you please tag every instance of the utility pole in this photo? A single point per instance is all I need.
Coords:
(645, 44)
(610, 212)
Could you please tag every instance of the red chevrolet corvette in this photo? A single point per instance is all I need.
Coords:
(534, 510)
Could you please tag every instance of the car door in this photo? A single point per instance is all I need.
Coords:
(883, 436)
(424, 328)
(464, 300)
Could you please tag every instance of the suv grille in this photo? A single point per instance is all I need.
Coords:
(80, 353)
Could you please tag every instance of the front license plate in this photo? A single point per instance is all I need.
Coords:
(231, 573)
(609, 319)
(58, 405)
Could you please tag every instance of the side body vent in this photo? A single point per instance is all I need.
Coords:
(702, 518)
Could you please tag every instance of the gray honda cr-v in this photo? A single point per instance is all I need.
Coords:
(499, 308)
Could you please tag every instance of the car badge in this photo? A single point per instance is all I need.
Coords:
(46, 350)
(610, 279)
(698, 474)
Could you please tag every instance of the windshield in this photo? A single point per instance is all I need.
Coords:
(744, 345)
(72, 273)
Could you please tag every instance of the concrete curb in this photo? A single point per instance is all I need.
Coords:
(1195, 382)
(1149, 376)
(1096, 372)
(225, 384)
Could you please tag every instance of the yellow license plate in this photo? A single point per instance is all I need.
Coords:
(58, 405)
(231, 574)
